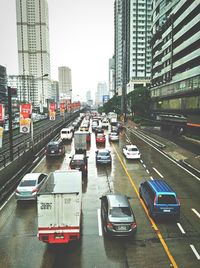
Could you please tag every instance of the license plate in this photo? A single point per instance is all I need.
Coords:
(25, 193)
(166, 210)
(59, 236)
(52, 152)
(121, 228)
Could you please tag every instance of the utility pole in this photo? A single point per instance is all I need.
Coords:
(10, 122)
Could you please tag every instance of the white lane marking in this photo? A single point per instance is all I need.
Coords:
(181, 228)
(151, 178)
(141, 161)
(127, 138)
(36, 159)
(195, 252)
(147, 171)
(169, 158)
(144, 166)
(99, 221)
(6, 202)
(158, 172)
(196, 212)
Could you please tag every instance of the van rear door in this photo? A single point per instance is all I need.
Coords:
(167, 204)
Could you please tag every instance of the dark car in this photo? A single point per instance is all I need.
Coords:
(55, 148)
(99, 130)
(79, 162)
(103, 156)
(117, 216)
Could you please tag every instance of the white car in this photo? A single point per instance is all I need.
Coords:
(29, 186)
(131, 152)
(105, 123)
(113, 136)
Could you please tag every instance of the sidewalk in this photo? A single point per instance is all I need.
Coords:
(173, 150)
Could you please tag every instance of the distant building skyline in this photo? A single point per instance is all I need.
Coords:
(101, 90)
(65, 82)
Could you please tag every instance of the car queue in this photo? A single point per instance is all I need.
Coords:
(117, 215)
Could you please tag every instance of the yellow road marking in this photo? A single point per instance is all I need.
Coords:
(171, 258)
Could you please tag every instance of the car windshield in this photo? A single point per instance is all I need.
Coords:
(64, 132)
(104, 153)
(120, 212)
(132, 149)
(114, 134)
(28, 183)
(100, 135)
(167, 199)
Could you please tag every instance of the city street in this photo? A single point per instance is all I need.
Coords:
(157, 243)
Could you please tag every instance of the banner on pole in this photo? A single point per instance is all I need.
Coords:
(1, 137)
(25, 125)
(52, 112)
(25, 110)
(1, 112)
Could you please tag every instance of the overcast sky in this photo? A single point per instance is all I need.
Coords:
(81, 36)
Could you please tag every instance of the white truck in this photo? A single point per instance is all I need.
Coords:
(80, 141)
(59, 206)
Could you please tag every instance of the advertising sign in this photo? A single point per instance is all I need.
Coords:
(1, 112)
(25, 110)
(62, 108)
(25, 120)
(25, 125)
(106, 98)
(1, 137)
(52, 113)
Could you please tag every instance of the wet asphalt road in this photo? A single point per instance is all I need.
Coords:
(156, 244)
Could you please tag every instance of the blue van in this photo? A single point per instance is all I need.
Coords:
(159, 198)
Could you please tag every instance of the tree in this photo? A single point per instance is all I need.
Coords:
(139, 100)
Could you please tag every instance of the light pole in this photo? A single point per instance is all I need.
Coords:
(42, 102)
(42, 95)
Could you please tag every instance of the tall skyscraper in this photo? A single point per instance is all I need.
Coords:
(112, 77)
(33, 47)
(65, 82)
(132, 50)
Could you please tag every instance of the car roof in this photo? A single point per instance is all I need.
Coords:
(117, 200)
(103, 150)
(160, 186)
(31, 176)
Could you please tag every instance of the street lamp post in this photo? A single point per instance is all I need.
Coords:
(42, 95)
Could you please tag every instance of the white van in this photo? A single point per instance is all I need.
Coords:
(66, 133)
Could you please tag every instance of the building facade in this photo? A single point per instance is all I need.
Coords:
(33, 46)
(111, 77)
(139, 48)
(101, 91)
(65, 82)
(175, 47)
(3, 85)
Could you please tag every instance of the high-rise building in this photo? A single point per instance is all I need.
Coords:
(139, 48)
(111, 77)
(3, 85)
(132, 49)
(65, 82)
(33, 46)
(176, 57)
(101, 91)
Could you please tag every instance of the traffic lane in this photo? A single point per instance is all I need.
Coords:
(18, 240)
(171, 230)
(146, 246)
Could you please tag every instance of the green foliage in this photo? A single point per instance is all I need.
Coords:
(112, 105)
(139, 101)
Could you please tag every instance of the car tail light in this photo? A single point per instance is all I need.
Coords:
(178, 201)
(60, 150)
(85, 167)
(35, 190)
(109, 225)
(17, 191)
(154, 202)
(133, 225)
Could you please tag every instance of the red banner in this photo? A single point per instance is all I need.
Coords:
(25, 110)
(52, 106)
(1, 112)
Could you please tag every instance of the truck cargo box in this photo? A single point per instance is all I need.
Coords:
(80, 142)
(59, 207)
